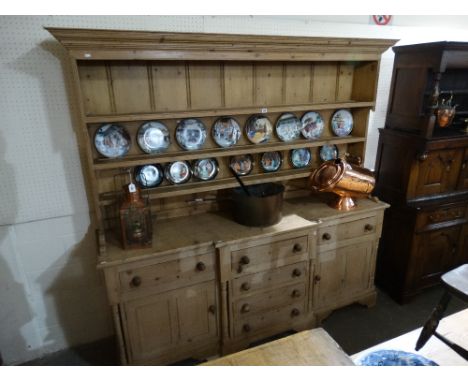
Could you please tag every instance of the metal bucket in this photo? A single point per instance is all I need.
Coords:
(262, 208)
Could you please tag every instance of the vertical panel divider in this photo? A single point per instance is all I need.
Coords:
(110, 87)
(149, 69)
(283, 85)
(311, 91)
(187, 83)
(223, 86)
(337, 86)
(254, 83)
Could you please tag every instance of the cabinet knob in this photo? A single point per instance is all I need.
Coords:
(136, 281)
(246, 328)
(244, 260)
(326, 236)
(296, 293)
(201, 266)
(297, 247)
(368, 227)
(245, 286)
(317, 278)
(212, 309)
(295, 312)
(296, 272)
(245, 308)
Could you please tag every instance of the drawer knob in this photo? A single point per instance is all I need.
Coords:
(317, 278)
(245, 308)
(296, 272)
(245, 286)
(136, 281)
(246, 328)
(295, 312)
(212, 309)
(326, 236)
(245, 260)
(297, 247)
(296, 293)
(201, 266)
(368, 227)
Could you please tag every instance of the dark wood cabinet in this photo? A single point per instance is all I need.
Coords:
(421, 169)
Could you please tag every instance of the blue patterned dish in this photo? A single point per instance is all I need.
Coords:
(394, 358)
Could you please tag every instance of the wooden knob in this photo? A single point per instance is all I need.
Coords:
(297, 272)
(245, 308)
(212, 309)
(246, 328)
(326, 236)
(201, 266)
(317, 278)
(245, 286)
(368, 227)
(245, 260)
(136, 281)
(297, 247)
(296, 293)
(295, 312)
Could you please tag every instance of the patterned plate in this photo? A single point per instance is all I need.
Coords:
(153, 137)
(288, 127)
(342, 123)
(271, 161)
(150, 175)
(394, 358)
(258, 129)
(300, 158)
(328, 152)
(112, 141)
(312, 125)
(191, 134)
(226, 132)
(205, 169)
(242, 164)
(177, 172)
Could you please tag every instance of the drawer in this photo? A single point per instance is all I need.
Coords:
(268, 300)
(260, 322)
(248, 284)
(349, 230)
(170, 274)
(268, 256)
(441, 215)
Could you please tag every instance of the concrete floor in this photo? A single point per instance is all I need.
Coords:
(354, 328)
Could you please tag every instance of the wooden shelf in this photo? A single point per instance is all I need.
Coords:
(217, 184)
(223, 112)
(108, 164)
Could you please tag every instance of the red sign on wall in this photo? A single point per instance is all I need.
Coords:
(381, 19)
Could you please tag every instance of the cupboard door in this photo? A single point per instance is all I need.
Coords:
(463, 177)
(462, 257)
(438, 172)
(343, 273)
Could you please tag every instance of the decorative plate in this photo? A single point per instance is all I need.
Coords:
(150, 175)
(153, 137)
(242, 164)
(177, 172)
(258, 129)
(300, 157)
(271, 161)
(342, 123)
(288, 127)
(205, 169)
(328, 152)
(226, 132)
(191, 134)
(312, 125)
(394, 358)
(112, 141)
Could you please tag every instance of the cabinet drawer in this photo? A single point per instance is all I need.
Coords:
(268, 300)
(259, 322)
(441, 215)
(267, 256)
(245, 285)
(170, 274)
(350, 230)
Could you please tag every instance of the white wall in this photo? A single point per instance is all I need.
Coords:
(51, 296)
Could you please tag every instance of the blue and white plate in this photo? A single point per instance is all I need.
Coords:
(153, 137)
(150, 175)
(177, 172)
(342, 123)
(205, 169)
(112, 141)
(288, 127)
(394, 358)
(191, 134)
(226, 132)
(300, 158)
(312, 125)
(328, 152)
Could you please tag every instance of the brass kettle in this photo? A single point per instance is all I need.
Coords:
(343, 179)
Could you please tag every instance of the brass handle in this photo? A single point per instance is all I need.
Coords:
(246, 328)
(368, 227)
(136, 281)
(245, 260)
(201, 266)
(212, 309)
(297, 247)
(296, 272)
(245, 286)
(295, 312)
(317, 278)
(296, 293)
(326, 236)
(245, 308)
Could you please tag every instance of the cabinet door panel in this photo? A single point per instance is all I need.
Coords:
(329, 277)
(463, 178)
(359, 257)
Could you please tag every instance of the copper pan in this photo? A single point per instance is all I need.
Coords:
(343, 179)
